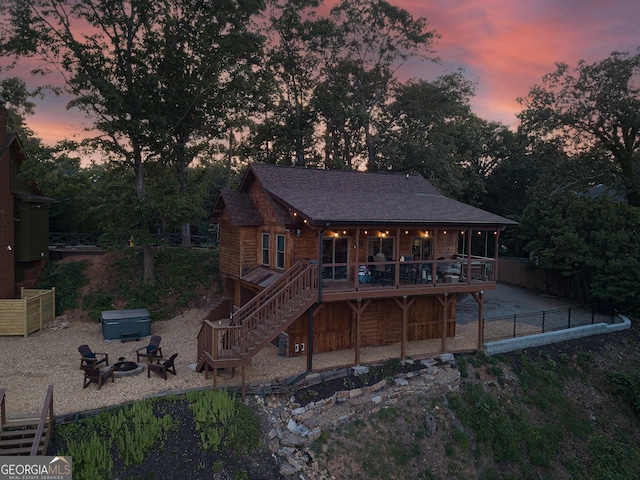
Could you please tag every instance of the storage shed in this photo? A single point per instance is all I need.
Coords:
(125, 324)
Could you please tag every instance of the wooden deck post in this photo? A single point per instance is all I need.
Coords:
(479, 298)
(405, 305)
(403, 341)
(445, 302)
(358, 322)
(243, 384)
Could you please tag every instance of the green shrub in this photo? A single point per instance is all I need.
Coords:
(67, 278)
(224, 422)
(626, 386)
(135, 430)
(91, 458)
(608, 459)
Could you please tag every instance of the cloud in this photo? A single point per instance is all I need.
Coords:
(506, 46)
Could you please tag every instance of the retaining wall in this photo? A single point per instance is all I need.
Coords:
(537, 340)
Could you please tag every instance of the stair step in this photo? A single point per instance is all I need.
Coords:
(21, 421)
(16, 442)
(19, 451)
(7, 435)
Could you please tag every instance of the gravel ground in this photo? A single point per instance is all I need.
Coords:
(50, 356)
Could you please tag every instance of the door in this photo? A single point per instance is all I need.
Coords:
(335, 250)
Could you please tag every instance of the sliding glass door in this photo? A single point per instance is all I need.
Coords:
(335, 250)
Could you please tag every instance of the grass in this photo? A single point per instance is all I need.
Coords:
(523, 436)
(147, 426)
(134, 431)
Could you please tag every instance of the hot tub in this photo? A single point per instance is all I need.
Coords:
(125, 325)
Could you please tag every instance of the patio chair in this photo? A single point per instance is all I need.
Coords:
(152, 351)
(92, 359)
(94, 375)
(161, 367)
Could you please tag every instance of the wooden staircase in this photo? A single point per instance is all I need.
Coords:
(26, 434)
(258, 322)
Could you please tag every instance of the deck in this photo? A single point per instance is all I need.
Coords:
(398, 279)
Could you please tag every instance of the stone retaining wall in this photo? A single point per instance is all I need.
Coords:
(295, 427)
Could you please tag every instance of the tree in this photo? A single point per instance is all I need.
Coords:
(592, 240)
(19, 104)
(435, 133)
(594, 113)
(118, 58)
(284, 131)
(371, 40)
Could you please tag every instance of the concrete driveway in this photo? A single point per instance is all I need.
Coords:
(508, 300)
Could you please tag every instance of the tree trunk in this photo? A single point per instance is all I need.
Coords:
(147, 254)
(147, 258)
(186, 235)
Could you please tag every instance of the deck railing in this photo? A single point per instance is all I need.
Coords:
(412, 273)
(266, 296)
(46, 418)
(266, 315)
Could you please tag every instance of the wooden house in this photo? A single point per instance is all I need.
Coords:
(324, 260)
(24, 218)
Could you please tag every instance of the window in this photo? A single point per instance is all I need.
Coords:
(335, 250)
(265, 249)
(280, 252)
(421, 248)
(385, 245)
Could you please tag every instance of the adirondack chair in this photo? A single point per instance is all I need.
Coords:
(152, 351)
(94, 375)
(92, 359)
(161, 367)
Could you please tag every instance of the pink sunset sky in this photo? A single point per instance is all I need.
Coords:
(505, 46)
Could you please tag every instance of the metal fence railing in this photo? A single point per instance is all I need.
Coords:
(523, 324)
(91, 239)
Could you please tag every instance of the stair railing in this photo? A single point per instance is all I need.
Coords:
(263, 315)
(3, 411)
(249, 309)
(46, 416)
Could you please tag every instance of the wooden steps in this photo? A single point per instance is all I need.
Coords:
(259, 322)
(19, 441)
(17, 438)
(26, 434)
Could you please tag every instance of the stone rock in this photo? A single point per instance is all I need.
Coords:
(360, 370)
(401, 382)
(293, 440)
(274, 445)
(430, 424)
(292, 425)
(286, 470)
(302, 430)
(59, 323)
(298, 411)
(447, 357)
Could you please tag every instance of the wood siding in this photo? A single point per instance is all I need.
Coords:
(231, 250)
(305, 246)
(334, 326)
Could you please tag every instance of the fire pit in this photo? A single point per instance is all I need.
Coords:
(123, 368)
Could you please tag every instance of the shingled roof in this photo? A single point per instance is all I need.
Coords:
(354, 197)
